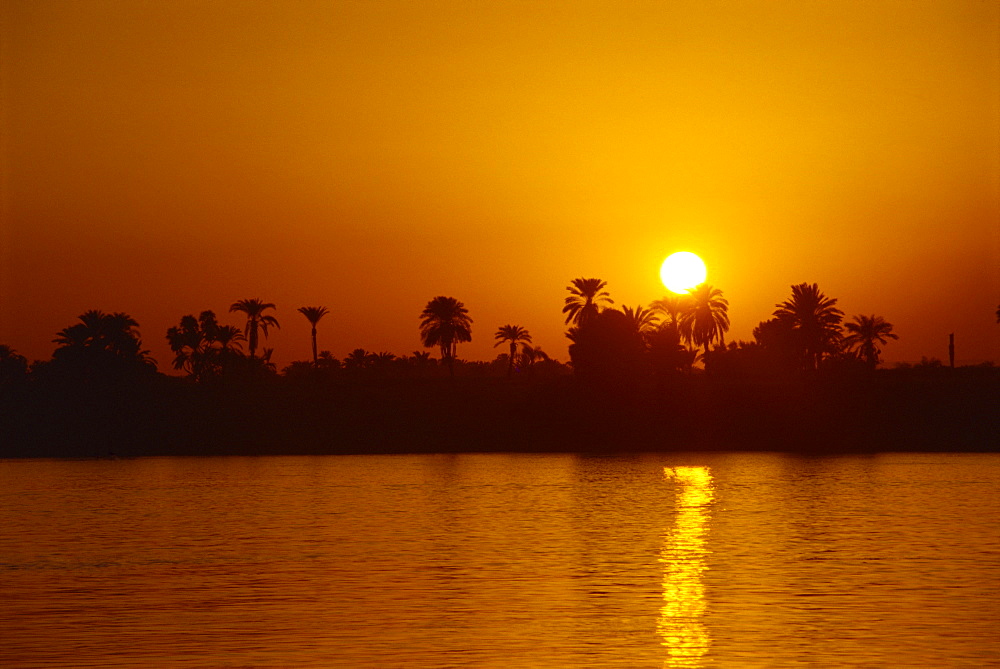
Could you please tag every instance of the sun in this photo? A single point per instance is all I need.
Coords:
(682, 271)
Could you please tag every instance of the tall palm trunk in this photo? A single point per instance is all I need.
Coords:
(315, 354)
(253, 339)
(510, 363)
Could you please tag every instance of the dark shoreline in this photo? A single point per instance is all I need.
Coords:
(940, 410)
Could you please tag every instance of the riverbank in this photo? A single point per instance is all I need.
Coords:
(890, 410)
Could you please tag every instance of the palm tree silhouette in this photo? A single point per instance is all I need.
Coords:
(202, 347)
(514, 335)
(815, 318)
(643, 320)
(256, 320)
(705, 317)
(115, 334)
(189, 342)
(444, 323)
(530, 355)
(866, 334)
(313, 315)
(359, 358)
(671, 306)
(585, 298)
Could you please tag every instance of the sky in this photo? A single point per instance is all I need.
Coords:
(162, 159)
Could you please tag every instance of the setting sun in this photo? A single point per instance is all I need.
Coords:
(682, 271)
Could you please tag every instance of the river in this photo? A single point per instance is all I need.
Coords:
(502, 560)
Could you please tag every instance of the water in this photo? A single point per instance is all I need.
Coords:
(502, 560)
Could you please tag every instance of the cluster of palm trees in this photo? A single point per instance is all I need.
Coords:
(700, 318)
(808, 326)
(814, 323)
(203, 347)
(100, 338)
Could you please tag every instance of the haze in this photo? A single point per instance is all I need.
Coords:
(166, 158)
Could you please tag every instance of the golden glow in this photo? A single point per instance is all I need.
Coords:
(165, 158)
(682, 271)
(680, 625)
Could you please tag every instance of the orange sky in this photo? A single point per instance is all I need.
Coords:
(166, 158)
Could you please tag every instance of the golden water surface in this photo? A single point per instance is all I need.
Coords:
(502, 560)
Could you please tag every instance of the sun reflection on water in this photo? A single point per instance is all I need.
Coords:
(683, 557)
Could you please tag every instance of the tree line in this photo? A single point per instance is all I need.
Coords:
(804, 334)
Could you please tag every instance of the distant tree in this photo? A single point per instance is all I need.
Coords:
(228, 339)
(257, 320)
(867, 334)
(190, 343)
(643, 320)
(531, 355)
(359, 358)
(383, 360)
(103, 340)
(422, 358)
(445, 323)
(671, 306)
(313, 315)
(327, 361)
(705, 318)
(202, 347)
(585, 299)
(816, 320)
(13, 365)
(299, 370)
(513, 335)
(420, 361)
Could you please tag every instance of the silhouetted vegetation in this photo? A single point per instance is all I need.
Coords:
(313, 315)
(585, 299)
(513, 335)
(445, 323)
(867, 334)
(203, 348)
(257, 320)
(815, 323)
(804, 383)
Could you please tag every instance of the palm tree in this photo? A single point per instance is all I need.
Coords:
(190, 344)
(705, 318)
(256, 320)
(327, 361)
(671, 306)
(530, 355)
(359, 358)
(866, 334)
(202, 347)
(514, 335)
(585, 298)
(115, 333)
(383, 360)
(313, 314)
(642, 319)
(816, 320)
(228, 337)
(98, 334)
(444, 323)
